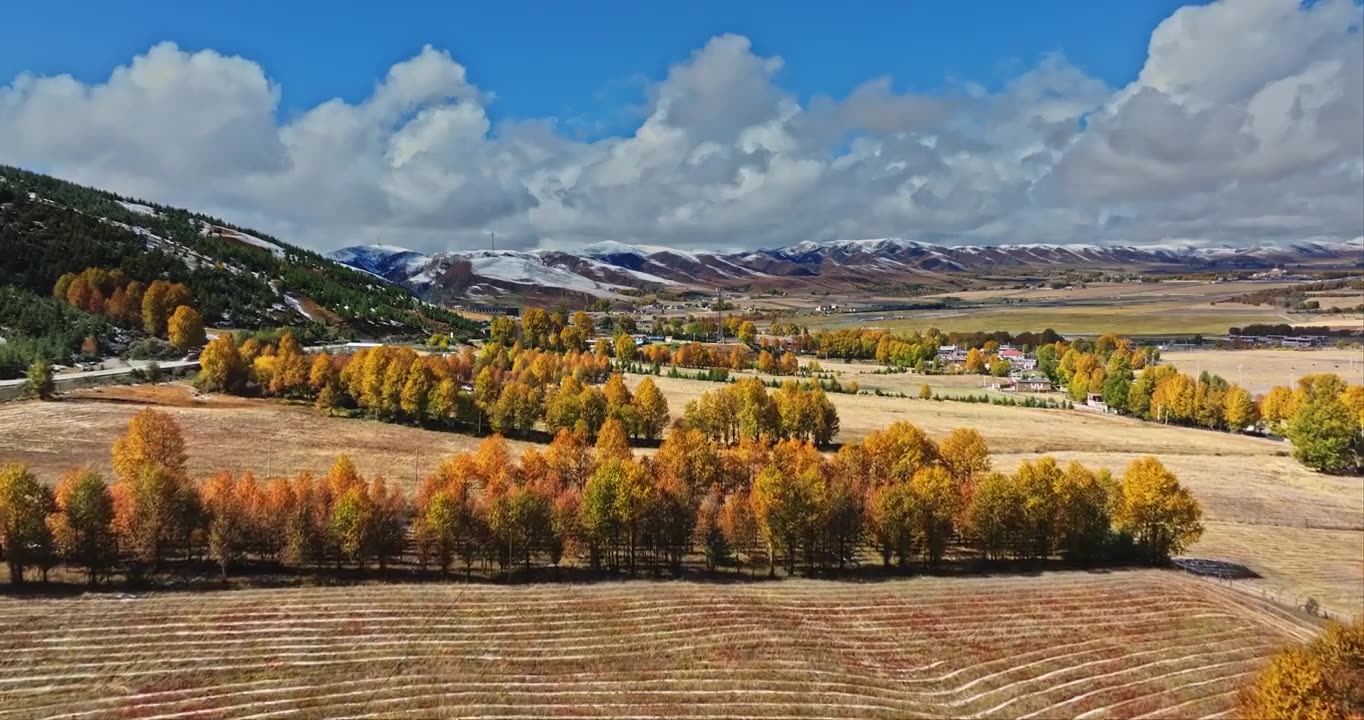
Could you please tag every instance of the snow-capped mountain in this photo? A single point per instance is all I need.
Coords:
(610, 269)
(387, 261)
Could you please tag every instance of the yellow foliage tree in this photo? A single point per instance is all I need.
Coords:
(1163, 517)
(965, 455)
(975, 361)
(935, 504)
(651, 409)
(153, 439)
(1277, 407)
(1238, 409)
(221, 368)
(1323, 680)
(155, 312)
(766, 363)
(611, 442)
(291, 368)
(185, 329)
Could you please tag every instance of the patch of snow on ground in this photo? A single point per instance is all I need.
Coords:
(297, 306)
(137, 208)
(646, 277)
(274, 249)
(524, 270)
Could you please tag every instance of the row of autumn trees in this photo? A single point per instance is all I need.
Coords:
(897, 496)
(744, 410)
(507, 390)
(913, 349)
(560, 332)
(1322, 415)
(160, 309)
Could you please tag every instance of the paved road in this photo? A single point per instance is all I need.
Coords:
(137, 365)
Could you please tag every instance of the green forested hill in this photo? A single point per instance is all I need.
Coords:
(239, 278)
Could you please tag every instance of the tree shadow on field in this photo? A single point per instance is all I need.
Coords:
(1220, 569)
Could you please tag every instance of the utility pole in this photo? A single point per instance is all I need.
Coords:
(492, 241)
(720, 312)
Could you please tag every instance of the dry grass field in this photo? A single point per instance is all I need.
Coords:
(1301, 531)
(1138, 644)
(221, 432)
(1259, 370)
(1133, 292)
(1170, 307)
(1174, 317)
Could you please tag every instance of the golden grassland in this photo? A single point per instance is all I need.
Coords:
(221, 433)
(1171, 307)
(1130, 292)
(1084, 645)
(1257, 499)
(1260, 369)
(1154, 318)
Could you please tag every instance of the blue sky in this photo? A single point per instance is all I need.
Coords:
(706, 124)
(588, 60)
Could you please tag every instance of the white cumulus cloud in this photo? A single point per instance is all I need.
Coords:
(1245, 124)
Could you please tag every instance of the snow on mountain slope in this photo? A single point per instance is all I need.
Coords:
(390, 262)
(530, 271)
(241, 237)
(137, 208)
(606, 268)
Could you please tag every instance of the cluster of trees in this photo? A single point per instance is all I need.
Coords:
(161, 309)
(773, 361)
(696, 327)
(1083, 366)
(509, 390)
(40, 329)
(1284, 329)
(558, 331)
(544, 330)
(744, 410)
(898, 495)
(1320, 680)
(1297, 297)
(1323, 416)
(918, 349)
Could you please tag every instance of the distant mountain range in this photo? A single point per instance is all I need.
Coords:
(611, 269)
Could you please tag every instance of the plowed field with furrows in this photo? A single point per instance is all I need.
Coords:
(1130, 644)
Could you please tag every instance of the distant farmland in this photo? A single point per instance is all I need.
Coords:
(1129, 644)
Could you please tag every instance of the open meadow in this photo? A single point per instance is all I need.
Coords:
(221, 433)
(1262, 508)
(1170, 307)
(1166, 317)
(1146, 644)
(1261, 369)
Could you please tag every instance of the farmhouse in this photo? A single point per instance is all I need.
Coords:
(951, 354)
(1033, 384)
